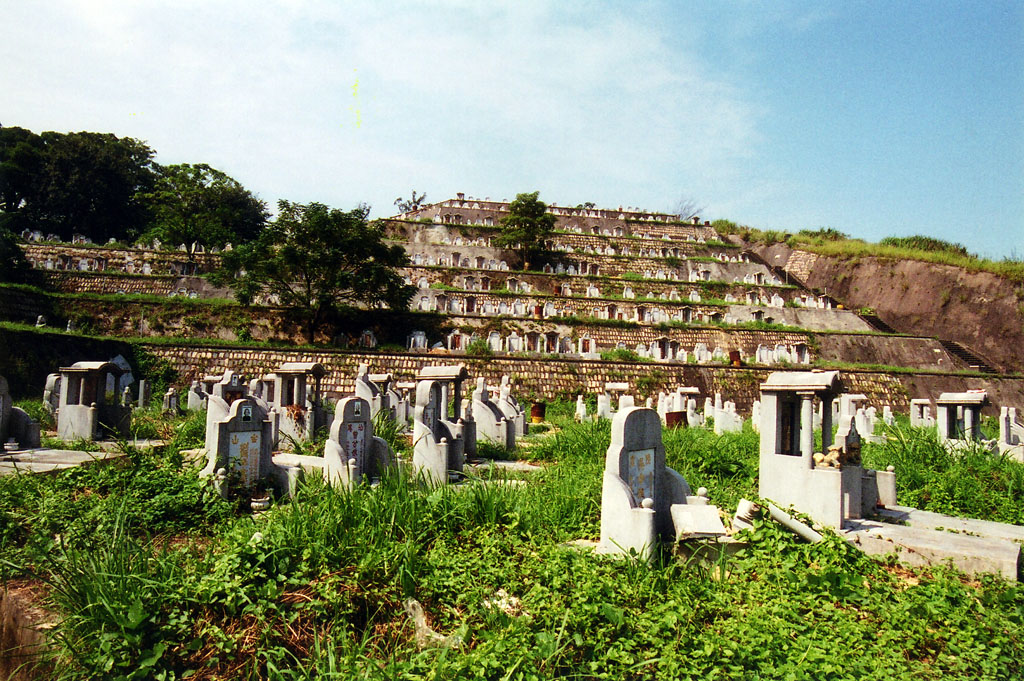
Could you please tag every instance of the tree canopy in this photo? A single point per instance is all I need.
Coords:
(317, 259)
(526, 227)
(80, 182)
(194, 204)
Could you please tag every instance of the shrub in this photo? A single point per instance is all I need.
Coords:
(478, 347)
(925, 243)
(620, 355)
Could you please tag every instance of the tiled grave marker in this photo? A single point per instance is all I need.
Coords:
(638, 490)
(352, 452)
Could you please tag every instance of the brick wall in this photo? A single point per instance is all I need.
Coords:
(541, 378)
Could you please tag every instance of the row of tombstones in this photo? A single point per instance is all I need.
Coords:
(678, 408)
(244, 428)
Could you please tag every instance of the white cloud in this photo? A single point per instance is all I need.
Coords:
(579, 100)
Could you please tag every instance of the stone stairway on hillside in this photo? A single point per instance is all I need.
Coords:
(876, 323)
(974, 361)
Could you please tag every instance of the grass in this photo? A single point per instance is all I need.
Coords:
(154, 578)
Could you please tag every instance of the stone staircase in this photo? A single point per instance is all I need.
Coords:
(972, 360)
(876, 323)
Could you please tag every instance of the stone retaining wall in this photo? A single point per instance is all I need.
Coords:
(547, 379)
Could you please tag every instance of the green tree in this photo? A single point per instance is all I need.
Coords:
(318, 259)
(13, 265)
(91, 183)
(195, 204)
(526, 227)
(21, 157)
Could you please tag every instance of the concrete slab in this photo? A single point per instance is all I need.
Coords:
(696, 520)
(514, 466)
(922, 547)
(937, 521)
(49, 460)
(308, 464)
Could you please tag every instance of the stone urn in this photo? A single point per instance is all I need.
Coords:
(259, 503)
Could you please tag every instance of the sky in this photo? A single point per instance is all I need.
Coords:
(874, 118)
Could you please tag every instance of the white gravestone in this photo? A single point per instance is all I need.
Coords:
(638, 491)
(353, 452)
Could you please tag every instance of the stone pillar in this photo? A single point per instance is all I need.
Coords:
(826, 423)
(457, 399)
(969, 423)
(807, 428)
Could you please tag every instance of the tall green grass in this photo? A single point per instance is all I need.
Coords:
(315, 588)
(972, 482)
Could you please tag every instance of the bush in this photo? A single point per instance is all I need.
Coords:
(925, 243)
(620, 355)
(478, 347)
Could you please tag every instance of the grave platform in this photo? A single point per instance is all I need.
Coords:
(51, 460)
(935, 539)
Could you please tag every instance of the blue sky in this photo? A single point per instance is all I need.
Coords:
(875, 118)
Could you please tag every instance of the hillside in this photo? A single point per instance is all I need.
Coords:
(979, 309)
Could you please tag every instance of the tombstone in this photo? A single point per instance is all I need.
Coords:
(920, 414)
(790, 472)
(1011, 434)
(451, 378)
(296, 407)
(437, 448)
(849, 403)
(604, 406)
(417, 340)
(491, 424)
(701, 353)
(15, 424)
(145, 393)
(511, 408)
(170, 401)
(958, 417)
(353, 453)
(40, 321)
(726, 418)
(755, 416)
(887, 416)
(581, 409)
(369, 391)
(51, 393)
(83, 411)
(639, 493)
(513, 343)
(222, 391)
(241, 444)
(196, 399)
